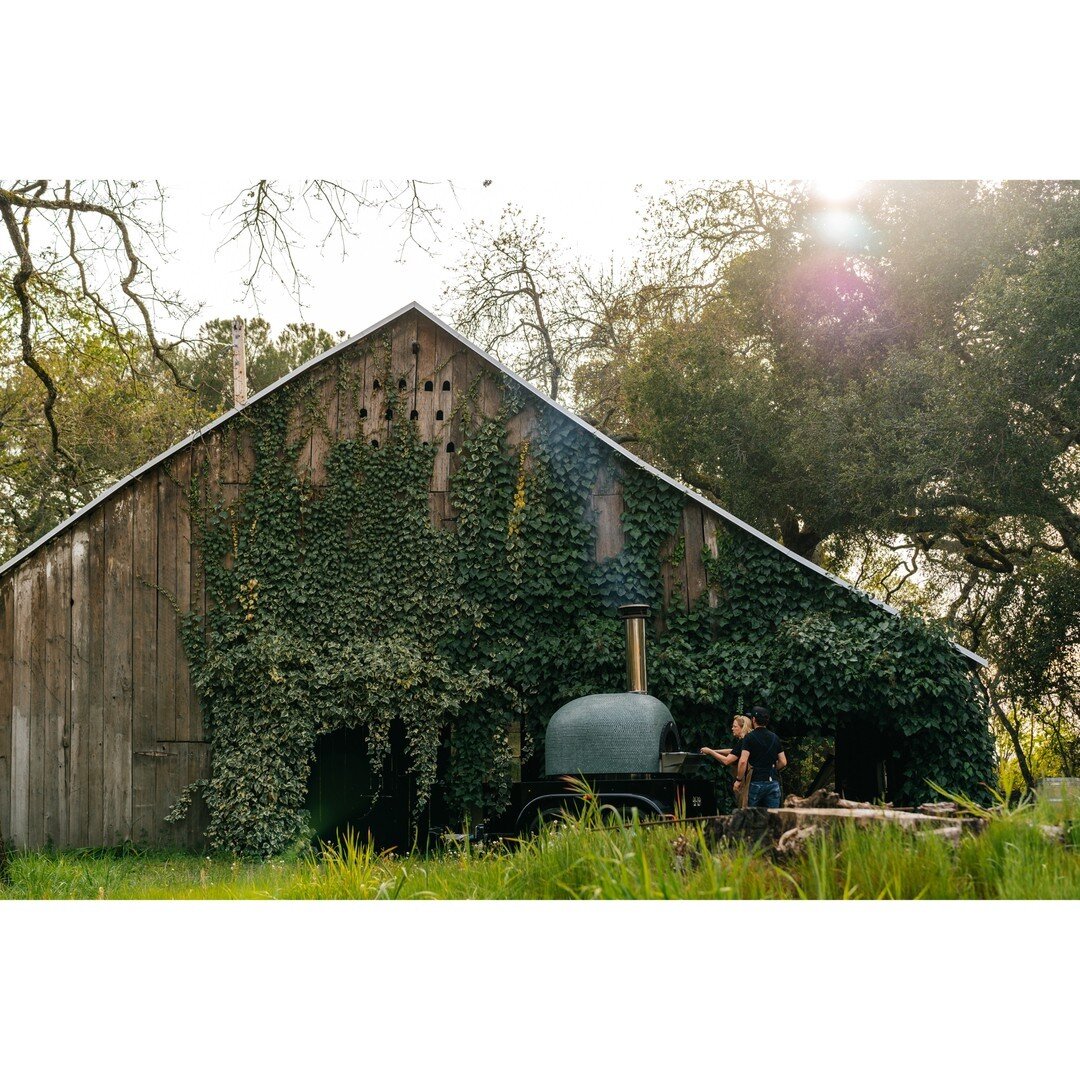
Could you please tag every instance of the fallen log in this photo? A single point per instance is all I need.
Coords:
(864, 814)
(786, 830)
(941, 809)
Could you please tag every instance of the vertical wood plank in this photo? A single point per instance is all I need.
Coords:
(117, 735)
(608, 480)
(196, 756)
(7, 655)
(245, 449)
(95, 660)
(79, 774)
(425, 376)
(57, 687)
(460, 383)
(610, 539)
(160, 721)
(391, 397)
(298, 428)
(144, 650)
(412, 385)
(402, 369)
(522, 425)
(476, 376)
(196, 586)
(693, 530)
(223, 466)
(22, 589)
(170, 640)
(441, 510)
(38, 601)
(176, 701)
(325, 431)
(491, 391)
(351, 394)
(681, 594)
(171, 779)
(443, 403)
(668, 580)
(709, 536)
(376, 376)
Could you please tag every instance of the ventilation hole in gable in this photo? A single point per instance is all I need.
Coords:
(363, 414)
(414, 415)
(450, 448)
(375, 443)
(446, 385)
(429, 385)
(439, 415)
(401, 384)
(375, 385)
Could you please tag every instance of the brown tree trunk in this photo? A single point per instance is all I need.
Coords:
(1014, 738)
(800, 539)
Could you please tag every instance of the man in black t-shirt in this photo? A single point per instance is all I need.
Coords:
(761, 750)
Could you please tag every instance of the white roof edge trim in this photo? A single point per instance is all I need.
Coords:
(573, 417)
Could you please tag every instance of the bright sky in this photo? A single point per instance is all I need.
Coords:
(375, 278)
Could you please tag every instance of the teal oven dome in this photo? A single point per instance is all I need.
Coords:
(609, 733)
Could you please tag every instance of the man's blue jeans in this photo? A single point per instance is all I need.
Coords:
(764, 793)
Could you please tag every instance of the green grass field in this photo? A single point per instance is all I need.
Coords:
(1012, 859)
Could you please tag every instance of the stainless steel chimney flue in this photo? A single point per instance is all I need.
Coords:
(634, 616)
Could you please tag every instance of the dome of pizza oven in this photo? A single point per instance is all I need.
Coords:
(609, 733)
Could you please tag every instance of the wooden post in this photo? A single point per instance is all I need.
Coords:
(239, 363)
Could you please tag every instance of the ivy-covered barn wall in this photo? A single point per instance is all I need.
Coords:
(342, 604)
(402, 554)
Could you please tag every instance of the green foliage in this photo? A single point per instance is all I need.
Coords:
(207, 362)
(344, 607)
(326, 610)
(111, 418)
(823, 657)
(115, 408)
(906, 384)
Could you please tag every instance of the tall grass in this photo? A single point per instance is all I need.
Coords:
(588, 858)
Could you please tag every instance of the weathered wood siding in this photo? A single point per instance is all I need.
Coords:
(100, 727)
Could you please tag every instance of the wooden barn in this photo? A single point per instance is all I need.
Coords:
(101, 728)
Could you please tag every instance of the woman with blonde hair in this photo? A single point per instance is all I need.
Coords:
(741, 726)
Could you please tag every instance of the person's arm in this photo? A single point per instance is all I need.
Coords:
(781, 761)
(725, 757)
(740, 772)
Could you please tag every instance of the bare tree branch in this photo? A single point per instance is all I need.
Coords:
(261, 216)
(20, 241)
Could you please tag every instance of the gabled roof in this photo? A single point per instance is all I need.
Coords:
(573, 417)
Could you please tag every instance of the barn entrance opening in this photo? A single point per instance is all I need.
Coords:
(863, 755)
(343, 794)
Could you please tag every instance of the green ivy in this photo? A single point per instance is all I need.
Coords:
(345, 607)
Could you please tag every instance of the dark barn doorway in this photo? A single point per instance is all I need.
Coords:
(343, 795)
(863, 757)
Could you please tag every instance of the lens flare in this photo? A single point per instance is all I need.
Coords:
(841, 227)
